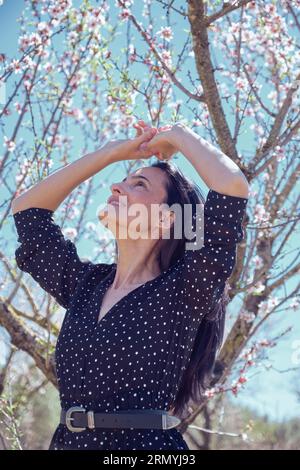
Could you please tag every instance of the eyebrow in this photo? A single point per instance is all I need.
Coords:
(138, 176)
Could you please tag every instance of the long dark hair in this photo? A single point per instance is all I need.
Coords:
(201, 370)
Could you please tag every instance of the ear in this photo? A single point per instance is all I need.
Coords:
(167, 219)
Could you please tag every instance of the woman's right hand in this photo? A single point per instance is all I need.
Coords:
(129, 149)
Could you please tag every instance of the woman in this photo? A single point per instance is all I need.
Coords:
(142, 333)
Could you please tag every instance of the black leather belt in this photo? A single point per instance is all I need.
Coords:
(77, 419)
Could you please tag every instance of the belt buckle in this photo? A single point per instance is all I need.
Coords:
(170, 421)
(69, 418)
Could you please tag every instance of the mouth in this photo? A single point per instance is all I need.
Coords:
(112, 200)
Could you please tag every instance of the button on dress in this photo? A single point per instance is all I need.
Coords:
(135, 356)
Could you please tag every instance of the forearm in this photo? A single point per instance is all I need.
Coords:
(51, 191)
(215, 168)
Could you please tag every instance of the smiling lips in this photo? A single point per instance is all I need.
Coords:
(113, 200)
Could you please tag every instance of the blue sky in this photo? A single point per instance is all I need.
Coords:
(270, 392)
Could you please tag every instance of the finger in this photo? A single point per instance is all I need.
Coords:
(144, 125)
(146, 136)
(144, 128)
(141, 121)
(164, 128)
(138, 129)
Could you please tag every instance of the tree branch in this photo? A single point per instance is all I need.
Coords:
(24, 339)
(205, 70)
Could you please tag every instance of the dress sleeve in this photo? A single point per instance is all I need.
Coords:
(206, 269)
(46, 255)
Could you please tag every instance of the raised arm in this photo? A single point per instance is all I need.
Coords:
(50, 192)
(216, 169)
(44, 253)
(207, 269)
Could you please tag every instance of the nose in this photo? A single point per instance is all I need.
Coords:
(116, 187)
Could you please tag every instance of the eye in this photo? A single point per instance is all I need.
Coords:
(140, 182)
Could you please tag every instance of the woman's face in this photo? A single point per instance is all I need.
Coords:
(137, 203)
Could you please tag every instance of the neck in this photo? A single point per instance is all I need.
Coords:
(136, 263)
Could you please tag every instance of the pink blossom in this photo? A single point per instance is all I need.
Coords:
(258, 261)
(132, 53)
(247, 354)
(29, 62)
(257, 288)
(243, 379)
(125, 13)
(166, 33)
(265, 176)
(16, 66)
(279, 153)
(95, 18)
(294, 304)
(10, 144)
(48, 67)
(72, 37)
(44, 28)
(258, 129)
(248, 317)
(235, 28)
(90, 226)
(7, 112)
(264, 342)
(58, 140)
(210, 392)
(253, 192)
(260, 214)
(167, 58)
(18, 107)
(27, 84)
(24, 42)
(78, 114)
(126, 3)
(69, 232)
(240, 83)
(35, 39)
(268, 305)
(58, 8)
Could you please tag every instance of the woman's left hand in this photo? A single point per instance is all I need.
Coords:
(162, 144)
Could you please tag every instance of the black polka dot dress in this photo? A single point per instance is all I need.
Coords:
(134, 358)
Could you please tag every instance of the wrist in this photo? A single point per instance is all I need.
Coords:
(112, 151)
(105, 155)
(176, 134)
